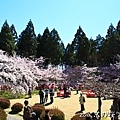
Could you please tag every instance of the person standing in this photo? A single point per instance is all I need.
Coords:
(82, 101)
(99, 106)
(41, 93)
(47, 116)
(65, 90)
(51, 95)
(27, 113)
(77, 88)
(30, 92)
(46, 91)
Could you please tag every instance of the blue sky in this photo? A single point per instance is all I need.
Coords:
(94, 16)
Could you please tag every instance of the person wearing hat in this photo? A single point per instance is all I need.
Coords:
(82, 101)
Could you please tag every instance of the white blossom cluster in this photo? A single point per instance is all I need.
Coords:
(82, 73)
(19, 74)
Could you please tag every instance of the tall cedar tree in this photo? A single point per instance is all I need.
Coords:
(63, 53)
(41, 51)
(98, 44)
(69, 55)
(81, 47)
(55, 50)
(92, 60)
(110, 47)
(110, 39)
(118, 27)
(50, 47)
(27, 42)
(7, 42)
(14, 33)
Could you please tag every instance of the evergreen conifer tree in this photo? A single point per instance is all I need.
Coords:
(27, 42)
(7, 42)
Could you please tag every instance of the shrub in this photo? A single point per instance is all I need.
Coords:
(35, 92)
(10, 95)
(38, 109)
(17, 107)
(55, 114)
(77, 117)
(4, 103)
(3, 115)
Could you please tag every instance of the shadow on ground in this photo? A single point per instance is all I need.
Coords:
(47, 104)
(78, 112)
(12, 112)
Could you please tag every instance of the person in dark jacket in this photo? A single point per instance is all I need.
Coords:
(27, 113)
(47, 116)
(30, 92)
(41, 93)
(51, 95)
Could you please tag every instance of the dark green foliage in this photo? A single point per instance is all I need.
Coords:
(56, 114)
(7, 42)
(94, 54)
(27, 43)
(118, 27)
(42, 41)
(15, 37)
(51, 47)
(14, 33)
(16, 108)
(99, 52)
(3, 115)
(110, 47)
(69, 56)
(92, 58)
(10, 95)
(4, 103)
(79, 49)
(56, 48)
(82, 47)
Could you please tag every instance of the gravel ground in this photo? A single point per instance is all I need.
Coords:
(68, 105)
(14, 117)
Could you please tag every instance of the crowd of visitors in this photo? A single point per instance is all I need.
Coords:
(48, 91)
(44, 92)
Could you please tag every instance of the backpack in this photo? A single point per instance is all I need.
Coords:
(27, 112)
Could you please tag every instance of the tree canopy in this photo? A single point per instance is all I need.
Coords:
(82, 50)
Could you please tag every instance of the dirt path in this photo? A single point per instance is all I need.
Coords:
(68, 105)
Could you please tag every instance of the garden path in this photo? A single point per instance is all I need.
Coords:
(68, 105)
